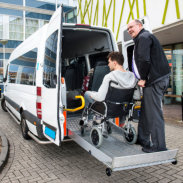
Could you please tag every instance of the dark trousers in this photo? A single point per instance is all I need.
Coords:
(151, 124)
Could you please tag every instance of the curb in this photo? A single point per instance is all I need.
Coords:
(4, 151)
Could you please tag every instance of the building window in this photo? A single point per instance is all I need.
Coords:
(15, 28)
(31, 26)
(174, 54)
(49, 69)
(41, 4)
(71, 16)
(1, 27)
(17, 2)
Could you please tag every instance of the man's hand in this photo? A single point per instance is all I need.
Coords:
(141, 83)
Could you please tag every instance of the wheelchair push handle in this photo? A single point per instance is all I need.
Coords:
(116, 83)
(78, 108)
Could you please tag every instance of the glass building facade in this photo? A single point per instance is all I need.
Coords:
(174, 54)
(20, 18)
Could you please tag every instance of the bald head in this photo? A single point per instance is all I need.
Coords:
(134, 27)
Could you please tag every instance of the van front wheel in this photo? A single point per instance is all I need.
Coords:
(24, 129)
(3, 104)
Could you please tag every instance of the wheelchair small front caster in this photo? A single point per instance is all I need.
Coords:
(81, 122)
(82, 131)
(96, 137)
(131, 137)
(109, 129)
(108, 171)
(174, 162)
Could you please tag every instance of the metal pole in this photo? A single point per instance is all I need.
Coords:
(56, 4)
(24, 21)
(3, 60)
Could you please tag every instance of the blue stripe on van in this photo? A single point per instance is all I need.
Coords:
(50, 132)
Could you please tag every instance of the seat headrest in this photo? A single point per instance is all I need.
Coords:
(100, 63)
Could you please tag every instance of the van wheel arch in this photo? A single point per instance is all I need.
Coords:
(3, 105)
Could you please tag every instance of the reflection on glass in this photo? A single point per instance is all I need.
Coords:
(178, 69)
(27, 76)
(1, 63)
(1, 78)
(71, 16)
(13, 69)
(1, 27)
(1, 75)
(25, 66)
(49, 68)
(41, 4)
(174, 54)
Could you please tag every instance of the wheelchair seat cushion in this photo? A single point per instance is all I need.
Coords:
(99, 107)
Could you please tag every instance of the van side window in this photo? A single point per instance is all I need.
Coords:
(13, 70)
(49, 68)
(22, 69)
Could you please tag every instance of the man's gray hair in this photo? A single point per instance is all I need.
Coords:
(139, 22)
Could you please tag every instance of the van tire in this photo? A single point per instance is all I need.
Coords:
(3, 105)
(24, 128)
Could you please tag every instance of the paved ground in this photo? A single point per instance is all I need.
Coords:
(31, 162)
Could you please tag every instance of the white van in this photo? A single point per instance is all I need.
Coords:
(44, 75)
(48, 65)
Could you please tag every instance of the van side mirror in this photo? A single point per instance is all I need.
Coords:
(55, 79)
(4, 79)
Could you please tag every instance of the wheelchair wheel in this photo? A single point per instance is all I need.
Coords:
(131, 137)
(96, 137)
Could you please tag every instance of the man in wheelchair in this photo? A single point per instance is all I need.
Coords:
(111, 100)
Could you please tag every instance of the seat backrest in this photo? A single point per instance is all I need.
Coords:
(69, 75)
(115, 100)
(116, 95)
(74, 76)
(98, 76)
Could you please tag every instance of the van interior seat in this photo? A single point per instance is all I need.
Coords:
(73, 78)
(98, 75)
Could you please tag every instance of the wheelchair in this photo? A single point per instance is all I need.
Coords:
(99, 116)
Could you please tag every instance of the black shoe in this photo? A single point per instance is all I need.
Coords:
(152, 149)
(138, 142)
